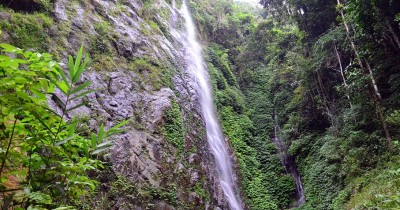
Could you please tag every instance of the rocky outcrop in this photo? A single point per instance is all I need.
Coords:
(136, 156)
(129, 33)
(137, 68)
(134, 45)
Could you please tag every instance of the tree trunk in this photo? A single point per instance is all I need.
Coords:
(394, 35)
(329, 105)
(374, 85)
(346, 86)
(367, 68)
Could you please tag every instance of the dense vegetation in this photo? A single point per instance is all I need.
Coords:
(324, 72)
(45, 157)
(328, 71)
(161, 167)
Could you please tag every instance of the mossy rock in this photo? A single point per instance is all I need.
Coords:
(28, 30)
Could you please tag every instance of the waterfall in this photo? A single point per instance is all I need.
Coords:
(196, 67)
(288, 162)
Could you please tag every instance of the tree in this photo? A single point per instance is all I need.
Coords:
(368, 70)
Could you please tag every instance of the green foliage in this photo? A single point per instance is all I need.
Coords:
(238, 128)
(224, 23)
(45, 5)
(150, 71)
(376, 189)
(173, 129)
(218, 81)
(118, 190)
(231, 97)
(200, 190)
(153, 25)
(44, 161)
(101, 44)
(219, 58)
(28, 30)
(394, 118)
(333, 144)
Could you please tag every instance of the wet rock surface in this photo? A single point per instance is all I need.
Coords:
(142, 154)
(135, 155)
(132, 36)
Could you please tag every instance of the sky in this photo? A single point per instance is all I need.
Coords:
(251, 1)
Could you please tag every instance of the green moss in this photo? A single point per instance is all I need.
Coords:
(146, 11)
(150, 72)
(167, 75)
(118, 9)
(153, 25)
(28, 30)
(167, 194)
(150, 28)
(104, 54)
(64, 28)
(102, 28)
(104, 62)
(144, 29)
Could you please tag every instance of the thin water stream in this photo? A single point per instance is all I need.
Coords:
(288, 162)
(196, 67)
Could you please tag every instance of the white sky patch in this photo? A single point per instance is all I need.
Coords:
(253, 2)
(249, 1)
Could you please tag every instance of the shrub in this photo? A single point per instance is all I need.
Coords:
(44, 160)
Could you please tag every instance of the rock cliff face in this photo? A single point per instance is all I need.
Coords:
(162, 161)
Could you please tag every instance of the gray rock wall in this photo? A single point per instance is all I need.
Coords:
(138, 68)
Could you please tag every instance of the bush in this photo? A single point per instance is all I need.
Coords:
(44, 161)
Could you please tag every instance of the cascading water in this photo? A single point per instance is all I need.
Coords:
(288, 162)
(196, 67)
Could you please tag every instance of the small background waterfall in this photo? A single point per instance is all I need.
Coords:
(288, 162)
(196, 68)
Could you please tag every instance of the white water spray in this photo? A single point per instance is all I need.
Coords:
(215, 138)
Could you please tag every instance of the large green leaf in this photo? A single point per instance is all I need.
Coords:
(65, 140)
(63, 86)
(80, 87)
(77, 106)
(83, 94)
(9, 48)
(100, 135)
(71, 67)
(77, 62)
(80, 70)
